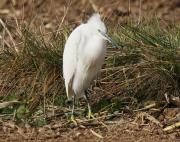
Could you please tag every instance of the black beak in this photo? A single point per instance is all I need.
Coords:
(109, 39)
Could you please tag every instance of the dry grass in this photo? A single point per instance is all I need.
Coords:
(33, 75)
(144, 68)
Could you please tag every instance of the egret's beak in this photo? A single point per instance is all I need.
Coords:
(110, 40)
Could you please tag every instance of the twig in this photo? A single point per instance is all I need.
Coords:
(145, 115)
(4, 41)
(94, 6)
(175, 100)
(63, 18)
(95, 124)
(6, 104)
(129, 6)
(140, 9)
(171, 127)
(12, 40)
(146, 107)
(21, 132)
(152, 119)
(96, 134)
(166, 97)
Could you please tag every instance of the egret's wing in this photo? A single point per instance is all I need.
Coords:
(70, 59)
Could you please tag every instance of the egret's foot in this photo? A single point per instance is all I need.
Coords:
(90, 115)
(73, 120)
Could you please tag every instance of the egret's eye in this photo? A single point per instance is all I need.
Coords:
(108, 38)
(98, 31)
(102, 33)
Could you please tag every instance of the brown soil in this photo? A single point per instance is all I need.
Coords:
(49, 14)
(122, 129)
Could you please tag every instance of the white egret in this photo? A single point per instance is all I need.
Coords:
(83, 57)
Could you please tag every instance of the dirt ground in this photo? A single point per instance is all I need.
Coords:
(49, 13)
(122, 129)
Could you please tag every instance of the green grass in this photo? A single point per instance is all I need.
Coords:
(147, 65)
(144, 67)
(34, 75)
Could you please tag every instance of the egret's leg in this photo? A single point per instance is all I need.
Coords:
(72, 113)
(90, 114)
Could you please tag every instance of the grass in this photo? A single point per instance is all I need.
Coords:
(33, 75)
(148, 66)
(144, 67)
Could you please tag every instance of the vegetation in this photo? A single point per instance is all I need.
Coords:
(144, 68)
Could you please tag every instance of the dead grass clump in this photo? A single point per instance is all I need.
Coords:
(145, 68)
(32, 76)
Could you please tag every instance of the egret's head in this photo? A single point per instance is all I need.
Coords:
(97, 26)
(95, 23)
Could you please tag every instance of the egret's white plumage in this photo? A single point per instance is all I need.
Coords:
(83, 56)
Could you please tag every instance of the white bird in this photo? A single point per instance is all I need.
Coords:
(83, 57)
